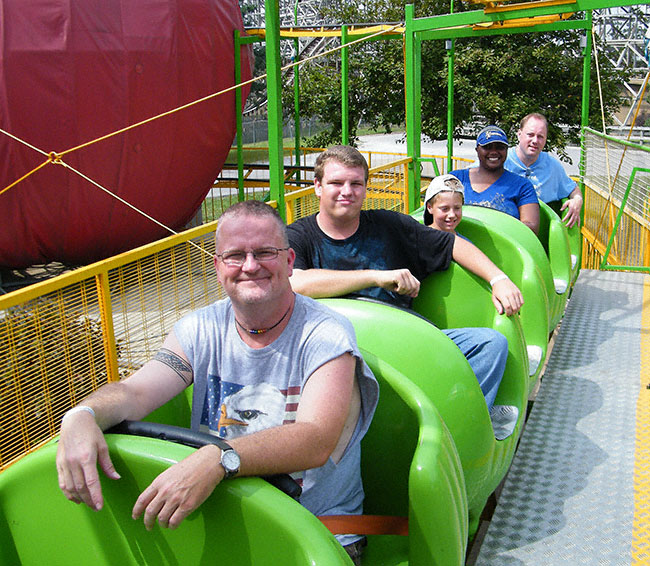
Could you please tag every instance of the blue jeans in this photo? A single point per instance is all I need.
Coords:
(486, 351)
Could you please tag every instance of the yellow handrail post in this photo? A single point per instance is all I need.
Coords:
(108, 334)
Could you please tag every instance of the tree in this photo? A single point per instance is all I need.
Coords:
(497, 79)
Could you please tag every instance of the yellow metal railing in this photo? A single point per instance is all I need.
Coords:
(64, 337)
(616, 230)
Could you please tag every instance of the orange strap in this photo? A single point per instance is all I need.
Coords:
(366, 524)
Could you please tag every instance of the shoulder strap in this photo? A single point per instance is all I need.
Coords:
(366, 524)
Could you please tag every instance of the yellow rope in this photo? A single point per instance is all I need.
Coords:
(638, 108)
(96, 184)
(24, 142)
(214, 95)
(25, 176)
(50, 158)
(56, 158)
(612, 183)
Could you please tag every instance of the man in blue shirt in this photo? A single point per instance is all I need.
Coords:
(544, 171)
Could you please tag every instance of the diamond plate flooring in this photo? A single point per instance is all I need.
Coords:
(569, 498)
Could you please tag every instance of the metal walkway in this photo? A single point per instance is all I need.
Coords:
(578, 491)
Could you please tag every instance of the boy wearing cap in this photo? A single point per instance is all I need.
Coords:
(443, 203)
(492, 186)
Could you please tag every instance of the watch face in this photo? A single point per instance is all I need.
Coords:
(230, 460)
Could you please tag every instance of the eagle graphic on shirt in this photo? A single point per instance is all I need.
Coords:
(235, 410)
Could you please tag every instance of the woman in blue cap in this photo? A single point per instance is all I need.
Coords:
(492, 186)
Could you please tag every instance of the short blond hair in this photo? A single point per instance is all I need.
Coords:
(343, 154)
(252, 208)
(535, 115)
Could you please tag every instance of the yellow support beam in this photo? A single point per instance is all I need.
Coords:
(523, 22)
(494, 6)
(322, 31)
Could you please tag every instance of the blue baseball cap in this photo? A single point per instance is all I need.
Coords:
(491, 134)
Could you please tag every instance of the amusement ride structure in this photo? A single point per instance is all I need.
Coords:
(570, 484)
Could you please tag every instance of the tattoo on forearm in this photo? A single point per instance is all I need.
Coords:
(174, 361)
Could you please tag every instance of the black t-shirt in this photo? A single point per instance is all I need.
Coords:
(385, 240)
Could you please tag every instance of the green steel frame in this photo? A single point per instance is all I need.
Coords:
(448, 27)
(438, 28)
(604, 266)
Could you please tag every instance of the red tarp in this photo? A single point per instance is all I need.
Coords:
(74, 70)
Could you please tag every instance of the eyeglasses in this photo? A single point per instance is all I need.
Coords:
(238, 257)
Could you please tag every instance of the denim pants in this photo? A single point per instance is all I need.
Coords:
(486, 351)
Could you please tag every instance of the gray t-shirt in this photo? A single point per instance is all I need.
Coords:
(240, 390)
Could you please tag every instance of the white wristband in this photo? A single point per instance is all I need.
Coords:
(78, 409)
(497, 279)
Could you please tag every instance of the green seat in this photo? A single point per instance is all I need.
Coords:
(555, 238)
(422, 479)
(410, 467)
(520, 267)
(555, 274)
(409, 464)
(575, 242)
(433, 362)
(244, 521)
(575, 246)
(531, 277)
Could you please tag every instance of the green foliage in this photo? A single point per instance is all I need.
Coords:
(497, 79)
(504, 78)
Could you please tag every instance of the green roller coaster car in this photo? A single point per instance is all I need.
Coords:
(410, 468)
(430, 454)
(433, 362)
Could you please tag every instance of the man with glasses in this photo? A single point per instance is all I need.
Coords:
(278, 375)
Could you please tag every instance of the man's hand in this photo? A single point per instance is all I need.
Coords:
(81, 446)
(572, 207)
(179, 490)
(400, 281)
(507, 297)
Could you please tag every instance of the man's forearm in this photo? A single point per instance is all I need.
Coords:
(318, 283)
(576, 192)
(111, 405)
(284, 449)
(473, 259)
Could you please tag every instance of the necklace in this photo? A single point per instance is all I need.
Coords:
(262, 330)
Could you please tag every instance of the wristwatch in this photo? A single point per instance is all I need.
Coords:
(230, 461)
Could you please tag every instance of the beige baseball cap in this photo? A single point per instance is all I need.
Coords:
(441, 183)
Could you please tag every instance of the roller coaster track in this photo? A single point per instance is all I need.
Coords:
(625, 33)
